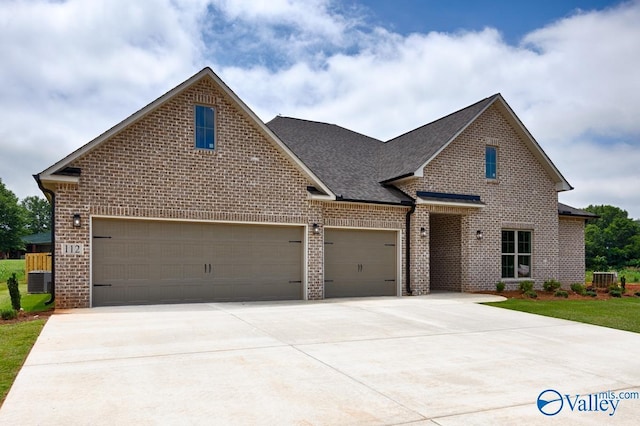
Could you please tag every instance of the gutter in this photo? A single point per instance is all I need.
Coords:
(407, 240)
(52, 196)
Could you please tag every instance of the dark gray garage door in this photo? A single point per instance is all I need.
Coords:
(359, 263)
(146, 262)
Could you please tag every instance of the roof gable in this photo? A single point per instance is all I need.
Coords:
(57, 172)
(407, 154)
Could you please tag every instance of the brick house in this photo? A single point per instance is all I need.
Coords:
(193, 198)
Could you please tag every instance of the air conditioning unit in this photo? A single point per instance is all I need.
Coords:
(39, 282)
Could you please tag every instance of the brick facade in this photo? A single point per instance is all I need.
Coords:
(150, 169)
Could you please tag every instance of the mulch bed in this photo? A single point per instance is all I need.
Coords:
(28, 316)
(544, 295)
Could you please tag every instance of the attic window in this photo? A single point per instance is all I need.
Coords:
(491, 162)
(205, 127)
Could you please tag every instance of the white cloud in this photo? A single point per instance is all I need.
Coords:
(74, 69)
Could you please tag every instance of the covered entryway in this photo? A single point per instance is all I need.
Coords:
(445, 255)
(359, 263)
(137, 262)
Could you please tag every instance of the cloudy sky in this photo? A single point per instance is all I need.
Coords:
(70, 70)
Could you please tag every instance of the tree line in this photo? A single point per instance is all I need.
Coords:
(18, 218)
(613, 240)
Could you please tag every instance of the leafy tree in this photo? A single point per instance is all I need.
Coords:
(613, 239)
(11, 221)
(37, 214)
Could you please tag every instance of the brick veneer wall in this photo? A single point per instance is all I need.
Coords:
(522, 197)
(572, 251)
(152, 170)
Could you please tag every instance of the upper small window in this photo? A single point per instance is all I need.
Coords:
(205, 127)
(491, 162)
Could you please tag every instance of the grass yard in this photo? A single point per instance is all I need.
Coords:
(30, 302)
(622, 313)
(17, 340)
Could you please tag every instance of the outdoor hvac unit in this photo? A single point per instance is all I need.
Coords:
(39, 282)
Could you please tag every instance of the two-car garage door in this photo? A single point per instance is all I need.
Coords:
(148, 262)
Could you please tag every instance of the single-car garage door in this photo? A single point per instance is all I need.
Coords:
(359, 263)
(147, 262)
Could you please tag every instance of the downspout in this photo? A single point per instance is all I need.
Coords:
(53, 237)
(407, 240)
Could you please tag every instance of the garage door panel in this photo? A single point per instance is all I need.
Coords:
(173, 262)
(360, 263)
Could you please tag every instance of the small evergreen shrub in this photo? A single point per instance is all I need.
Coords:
(561, 293)
(500, 286)
(551, 285)
(578, 288)
(615, 288)
(615, 292)
(591, 293)
(526, 286)
(14, 292)
(8, 314)
(531, 294)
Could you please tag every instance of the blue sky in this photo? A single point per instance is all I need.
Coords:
(72, 69)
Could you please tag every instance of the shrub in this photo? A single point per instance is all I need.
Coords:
(551, 285)
(531, 294)
(615, 293)
(500, 286)
(591, 293)
(637, 293)
(14, 292)
(8, 314)
(578, 288)
(614, 287)
(526, 286)
(561, 293)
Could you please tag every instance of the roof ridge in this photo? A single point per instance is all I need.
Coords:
(326, 124)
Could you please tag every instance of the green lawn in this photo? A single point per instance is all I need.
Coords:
(17, 340)
(623, 313)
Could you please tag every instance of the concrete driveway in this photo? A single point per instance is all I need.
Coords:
(433, 360)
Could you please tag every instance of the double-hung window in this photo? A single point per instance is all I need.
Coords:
(491, 162)
(516, 254)
(205, 127)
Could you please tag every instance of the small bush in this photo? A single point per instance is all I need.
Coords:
(551, 285)
(561, 293)
(8, 314)
(14, 292)
(615, 288)
(531, 294)
(591, 293)
(500, 286)
(526, 286)
(615, 293)
(578, 288)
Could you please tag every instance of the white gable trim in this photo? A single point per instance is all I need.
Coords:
(49, 176)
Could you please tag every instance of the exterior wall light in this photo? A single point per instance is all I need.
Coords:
(76, 220)
(423, 232)
(479, 235)
(316, 228)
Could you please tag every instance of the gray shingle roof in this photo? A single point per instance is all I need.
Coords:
(346, 161)
(407, 153)
(566, 210)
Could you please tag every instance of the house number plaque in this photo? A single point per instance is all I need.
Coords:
(69, 249)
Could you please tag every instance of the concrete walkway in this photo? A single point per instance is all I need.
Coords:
(432, 360)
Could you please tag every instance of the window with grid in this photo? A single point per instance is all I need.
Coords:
(205, 127)
(516, 254)
(491, 162)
